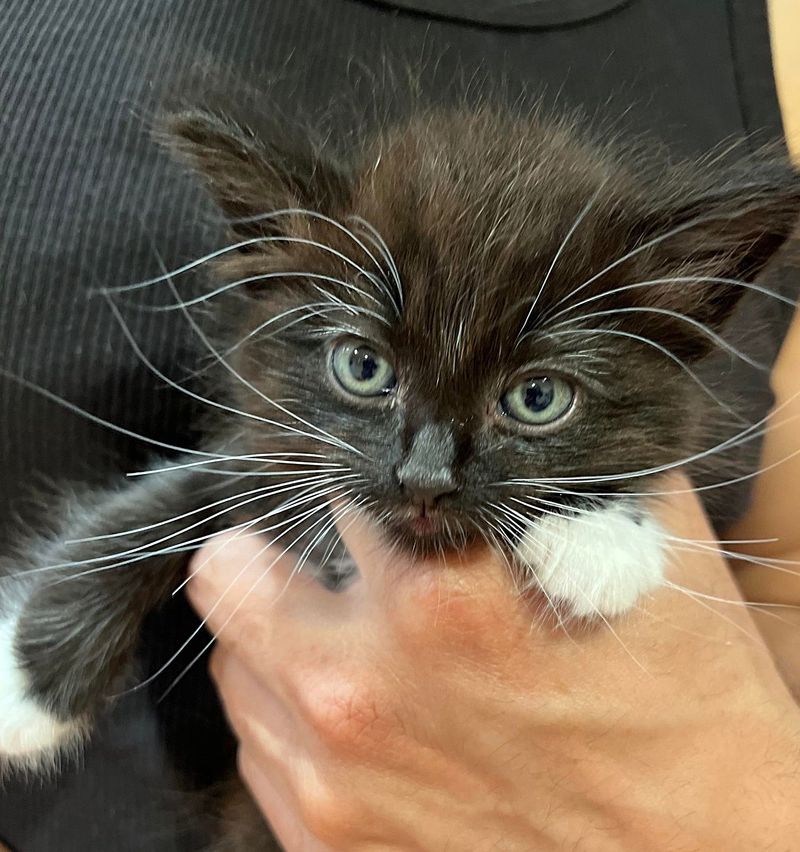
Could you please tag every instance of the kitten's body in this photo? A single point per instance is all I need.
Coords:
(475, 254)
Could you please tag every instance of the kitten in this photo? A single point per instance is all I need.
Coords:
(480, 328)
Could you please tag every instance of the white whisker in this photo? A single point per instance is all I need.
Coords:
(680, 279)
(211, 402)
(100, 421)
(322, 435)
(702, 327)
(664, 351)
(236, 609)
(679, 229)
(270, 458)
(570, 232)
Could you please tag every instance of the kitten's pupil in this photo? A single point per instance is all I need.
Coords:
(363, 364)
(539, 394)
(538, 400)
(361, 370)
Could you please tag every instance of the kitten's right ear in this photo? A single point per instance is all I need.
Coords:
(251, 174)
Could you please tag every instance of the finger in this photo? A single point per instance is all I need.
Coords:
(464, 603)
(278, 804)
(386, 567)
(271, 730)
(255, 708)
(236, 582)
(291, 633)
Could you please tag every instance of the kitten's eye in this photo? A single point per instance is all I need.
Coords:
(538, 400)
(360, 370)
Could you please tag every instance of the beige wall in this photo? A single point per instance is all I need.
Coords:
(784, 20)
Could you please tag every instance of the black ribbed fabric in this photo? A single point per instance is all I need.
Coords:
(87, 200)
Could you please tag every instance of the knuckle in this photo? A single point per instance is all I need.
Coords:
(329, 816)
(347, 714)
(245, 634)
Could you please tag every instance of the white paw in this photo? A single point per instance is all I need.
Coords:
(596, 562)
(30, 736)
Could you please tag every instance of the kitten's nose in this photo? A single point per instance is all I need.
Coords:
(425, 488)
(426, 473)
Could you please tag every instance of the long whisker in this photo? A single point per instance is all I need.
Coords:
(193, 544)
(558, 253)
(139, 285)
(144, 550)
(387, 256)
(100, 421)
(156, 524)
(206, 400)
(584, 511)
(701, 602)
(577, 514)
(270, 458)
(684, 226)
(664, 351)
(701, 327)
(322, 435)
(313, 476)
(147, 681)
(681, 279)
(744, 604)
(314, 214)
(266, 276)
(236, 609)
(316, 309)
(289, 505)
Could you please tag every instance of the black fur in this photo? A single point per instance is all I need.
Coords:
(474, 207)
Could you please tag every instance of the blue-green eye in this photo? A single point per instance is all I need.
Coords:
(360, 370)
(538, 400)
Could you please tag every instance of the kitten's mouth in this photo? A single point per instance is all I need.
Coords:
(422, 519)
(424, 523)
(429, 530)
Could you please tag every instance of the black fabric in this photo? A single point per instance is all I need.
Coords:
(86, 199)
(511, 13)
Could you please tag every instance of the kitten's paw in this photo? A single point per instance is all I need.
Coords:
(31, 737)
(598, 562)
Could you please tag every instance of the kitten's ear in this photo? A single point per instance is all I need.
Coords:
(250, 172)
(730, 231)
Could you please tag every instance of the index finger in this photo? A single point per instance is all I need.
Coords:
(463, 600)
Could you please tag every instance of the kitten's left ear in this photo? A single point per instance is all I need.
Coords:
(729, 231)
(251, 171)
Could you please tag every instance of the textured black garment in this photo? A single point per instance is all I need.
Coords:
(87, 200)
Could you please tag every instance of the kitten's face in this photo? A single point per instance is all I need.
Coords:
(484, 346)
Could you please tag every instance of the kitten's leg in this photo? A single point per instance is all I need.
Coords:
(67, 636)
(596, 563)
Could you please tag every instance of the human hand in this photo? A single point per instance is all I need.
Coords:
(425, 709)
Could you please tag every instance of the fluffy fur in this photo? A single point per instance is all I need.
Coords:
(30, 736)
(471, 250)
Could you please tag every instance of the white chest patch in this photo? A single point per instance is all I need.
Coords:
(30, 736)
(594, 562)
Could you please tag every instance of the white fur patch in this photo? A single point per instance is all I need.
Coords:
(29, 735)
(599, 561)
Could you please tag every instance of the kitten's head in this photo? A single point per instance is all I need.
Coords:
(482, 317)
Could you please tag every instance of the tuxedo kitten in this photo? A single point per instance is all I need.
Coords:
(477, 327)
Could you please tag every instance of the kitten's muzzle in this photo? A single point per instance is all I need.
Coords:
(426, 473)
(424, 493)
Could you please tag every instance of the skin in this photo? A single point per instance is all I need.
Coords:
(425, 708)
(777, 491)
